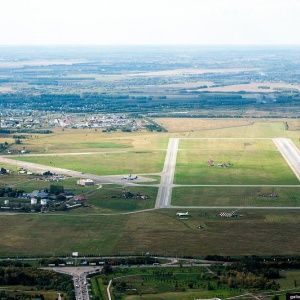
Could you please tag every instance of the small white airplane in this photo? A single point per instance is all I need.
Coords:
(130, 177)
(179, 214)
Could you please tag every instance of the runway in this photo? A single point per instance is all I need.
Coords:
(164, 194)
(290, 153)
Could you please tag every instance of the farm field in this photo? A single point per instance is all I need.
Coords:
(256, 232)
(236, 196)
(248, 162)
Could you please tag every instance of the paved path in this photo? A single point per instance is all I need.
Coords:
(164, 194)
(290, 153)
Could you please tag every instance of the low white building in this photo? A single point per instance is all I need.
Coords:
(85, 182)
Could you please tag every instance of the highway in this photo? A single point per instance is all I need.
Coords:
(290, 153)
(164, 194)
(79, 277)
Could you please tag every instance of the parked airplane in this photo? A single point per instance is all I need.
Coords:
(179, 214)
(129, 177)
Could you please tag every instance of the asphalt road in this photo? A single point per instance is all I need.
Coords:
(164, 194)
(79, 278)
(290, 153)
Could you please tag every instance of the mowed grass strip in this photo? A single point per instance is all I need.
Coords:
(104, 164)
(158, 232)
(253, 162)
(236, 196)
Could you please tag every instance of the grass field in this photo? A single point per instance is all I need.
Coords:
(109, 199)
(69, 185)
(29, 291)
(104, 164)
(162, 283)
(259, 232)
(11, 180)
(236, 196)
(158, 232)
(191, 124)
(253, 162)
(288, 280)
(88, 140)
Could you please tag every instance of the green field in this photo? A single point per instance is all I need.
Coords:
(69, 185)
(161, 283)
(113, 224)
(29, 291)
(253, 162)
(88, 140)
(236, 196)
(258, 232)
(14, 179)
(183, 283)
(109, 199)
(104, 164)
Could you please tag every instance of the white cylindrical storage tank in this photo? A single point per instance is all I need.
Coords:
(6, 202)
(33, 201)
(43, 201)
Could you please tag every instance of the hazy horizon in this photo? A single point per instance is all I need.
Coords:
(133, 22)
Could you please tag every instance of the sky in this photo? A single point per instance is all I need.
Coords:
(114, 22)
